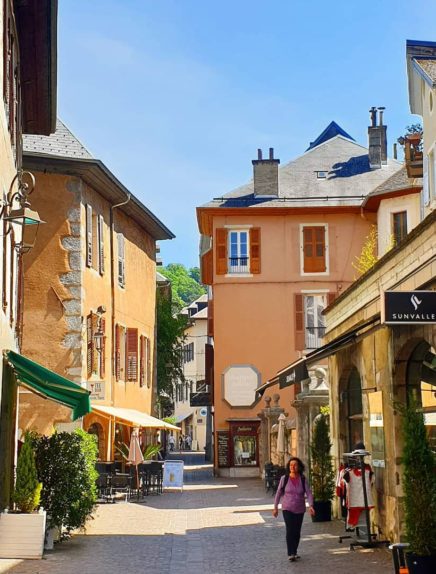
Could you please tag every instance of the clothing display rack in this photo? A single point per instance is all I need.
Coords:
(362, 533)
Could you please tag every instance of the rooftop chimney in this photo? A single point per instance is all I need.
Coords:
(377, 144)
(266, 174)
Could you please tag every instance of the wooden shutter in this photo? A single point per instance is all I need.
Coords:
(221, 251)
(94, 327)
(117, 353)
(299, 322)
(331, 297)
(121, 261)
(103, 348)
(148, 355)
(100, 244)
(207, 267)
(89, 345)
(132, 354)
(255, 250)
(141, 361)
(314, 249)
(88, 235)
(210, 318)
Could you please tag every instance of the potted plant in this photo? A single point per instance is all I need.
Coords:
(22, 530)
(419, 486)
(322, 474)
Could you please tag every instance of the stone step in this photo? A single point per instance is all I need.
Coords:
(198, 473)
(188, 457)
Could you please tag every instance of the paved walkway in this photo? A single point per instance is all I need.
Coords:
(222, 527)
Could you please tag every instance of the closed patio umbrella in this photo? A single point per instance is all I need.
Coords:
(281, 442)
(135, 453)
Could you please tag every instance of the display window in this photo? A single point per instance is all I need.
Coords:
(244, 444)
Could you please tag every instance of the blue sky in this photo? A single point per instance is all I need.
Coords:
(175, 96)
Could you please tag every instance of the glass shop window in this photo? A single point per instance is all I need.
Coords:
(244, 449)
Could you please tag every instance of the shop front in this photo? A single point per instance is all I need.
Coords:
(238, 448)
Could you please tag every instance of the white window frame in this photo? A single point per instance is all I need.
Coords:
(121, 260)
(242, 272)
(315, 335)
(327, 254)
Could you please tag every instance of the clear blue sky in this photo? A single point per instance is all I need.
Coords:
(175, 96)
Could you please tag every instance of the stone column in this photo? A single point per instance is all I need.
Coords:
(268, 417)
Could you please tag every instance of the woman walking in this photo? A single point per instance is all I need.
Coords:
(293, 491)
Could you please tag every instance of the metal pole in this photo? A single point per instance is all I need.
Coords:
(365, 497)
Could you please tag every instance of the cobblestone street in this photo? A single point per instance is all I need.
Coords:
(220, 527)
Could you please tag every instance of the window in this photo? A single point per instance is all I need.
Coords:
(144, 362)
(244, 449)
(120, 355)
(321, 174)
(89, 235)
(121, 260)
(237, 251)
(131, 354)
(399, 226)
(314, 248)
(188, 353)
(95, 356)
(11, 77)
(309, 320)
(100, 244)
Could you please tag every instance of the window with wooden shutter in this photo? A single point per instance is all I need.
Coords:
(89, 345)
(255, 250)
(100, 235)
(148, 355)
(103, 348)
(299, 322)
(117, 352)
(141, 361)
(95, 357)
(314, 249)
(88, 236)
(210, 318)
(132, 354)
(221, 251)
(121, 260)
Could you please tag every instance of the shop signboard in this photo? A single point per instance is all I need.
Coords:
(409, 307)
(223, 438)
(173, 474)
(97, 390)
(295, 374)
(200, 399)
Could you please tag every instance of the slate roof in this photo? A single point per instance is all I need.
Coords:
(348, 182)
(62, 143)
(332, 130)
(400, 180)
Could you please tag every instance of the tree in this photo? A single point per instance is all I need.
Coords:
(170, 339)
(27, 491)
(368, 256)
(185, 284)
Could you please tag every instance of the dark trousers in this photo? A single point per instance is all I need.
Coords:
(293, 530)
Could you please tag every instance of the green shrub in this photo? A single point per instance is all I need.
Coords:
(27, 491)
(66, 468)
(322, 474)
(419, 482)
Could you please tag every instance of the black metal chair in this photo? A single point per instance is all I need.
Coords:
(121, 483)
(155, 477)
(103, 484)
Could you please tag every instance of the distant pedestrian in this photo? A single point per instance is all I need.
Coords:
(171, 442)
(181, 441)
(293, 490)
(188, 442)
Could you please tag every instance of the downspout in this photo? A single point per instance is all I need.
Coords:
(112, 233)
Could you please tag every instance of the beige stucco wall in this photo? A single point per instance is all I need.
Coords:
(408, 203)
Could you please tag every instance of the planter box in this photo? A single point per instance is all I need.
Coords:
(420, 564)
(22, 535)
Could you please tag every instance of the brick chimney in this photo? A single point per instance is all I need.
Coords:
(377, 140)
(266, 174)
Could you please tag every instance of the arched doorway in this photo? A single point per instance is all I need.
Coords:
(97, 430)
(351, 412)
(421, 383)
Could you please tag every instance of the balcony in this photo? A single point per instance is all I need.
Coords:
(313, 337)
(238, 265)
(413, 155)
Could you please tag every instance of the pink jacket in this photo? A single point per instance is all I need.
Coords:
(293, 495)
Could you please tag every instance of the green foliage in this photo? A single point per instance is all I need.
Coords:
(185, 283)
(419, 482)
(170, 420)
(66, 468)
(368, 256)
(27, 491)
(148, 452)
(322, 474)
(170, 339)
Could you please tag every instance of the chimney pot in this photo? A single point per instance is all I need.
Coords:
(271, 153)
(395, 151)
(259, 154)
(381, 110)
(373, 112)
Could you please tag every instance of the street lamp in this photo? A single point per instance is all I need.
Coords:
(22, 216)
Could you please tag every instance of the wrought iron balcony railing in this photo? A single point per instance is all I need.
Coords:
(238, 265)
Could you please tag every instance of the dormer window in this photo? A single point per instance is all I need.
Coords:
(321, 174)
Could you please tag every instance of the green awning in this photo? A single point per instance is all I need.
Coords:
(50, 385)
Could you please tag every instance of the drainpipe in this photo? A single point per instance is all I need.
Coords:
(112, 233)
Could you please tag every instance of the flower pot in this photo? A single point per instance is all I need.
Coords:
(323, 511)
(22, 535)
(420, 564)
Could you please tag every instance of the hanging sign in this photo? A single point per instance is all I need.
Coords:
(409, 307)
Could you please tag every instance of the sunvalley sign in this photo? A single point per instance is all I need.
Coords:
(409, 307)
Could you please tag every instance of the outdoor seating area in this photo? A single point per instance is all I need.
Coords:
(273, 474)
(134, 482)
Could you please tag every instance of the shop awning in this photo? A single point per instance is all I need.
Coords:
(297, 371)
(133, 418)
(49, 385)
(181, 418)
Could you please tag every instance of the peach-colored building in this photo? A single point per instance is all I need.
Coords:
(275, 252)
(89, 290)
